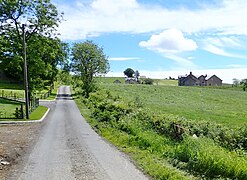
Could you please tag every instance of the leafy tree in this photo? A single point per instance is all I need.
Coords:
(44, 53)
(137, 75)
(40, 17)
(244, 83)
(88, 61)
(235, 82)
(129, 72)
(64, 77)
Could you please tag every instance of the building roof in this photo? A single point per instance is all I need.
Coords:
(214, 76)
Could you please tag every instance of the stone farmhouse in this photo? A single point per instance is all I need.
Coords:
(191, 80)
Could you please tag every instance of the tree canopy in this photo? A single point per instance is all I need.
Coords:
(39, 17)
(129, 72)
(44, 50)
(88, 60)
(235, 81)
(244, 83)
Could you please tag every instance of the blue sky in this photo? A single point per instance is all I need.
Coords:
(162, 38)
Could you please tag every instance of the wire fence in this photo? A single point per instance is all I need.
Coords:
(15, 109)
(12, 95)
(14, 103)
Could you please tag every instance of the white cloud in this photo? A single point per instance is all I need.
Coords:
(169, 41)
(221, 46)
(236, 66)
(224, 41)
(111, 7)
(191, 58)
(220, 51)
(181, 62)
(131, 16)
(123, 58)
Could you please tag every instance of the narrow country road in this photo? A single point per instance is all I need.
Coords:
(68, 149)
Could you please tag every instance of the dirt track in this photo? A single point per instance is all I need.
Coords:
(15, 140)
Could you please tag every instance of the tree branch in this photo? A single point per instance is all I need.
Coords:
(16, 26)
(30, 34)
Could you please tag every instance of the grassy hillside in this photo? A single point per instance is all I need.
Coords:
(146, 122)
(218, 105)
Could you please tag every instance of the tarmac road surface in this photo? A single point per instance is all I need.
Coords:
(68, 149)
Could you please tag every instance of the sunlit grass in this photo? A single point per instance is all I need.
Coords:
(7, 108)
(38, 113)
(12, 93)
(218, 105)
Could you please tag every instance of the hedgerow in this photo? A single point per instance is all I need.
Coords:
(232, 139)
(201, 147)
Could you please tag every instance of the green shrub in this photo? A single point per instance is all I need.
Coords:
(148, 81)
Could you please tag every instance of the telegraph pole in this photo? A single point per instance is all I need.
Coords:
(25, 70)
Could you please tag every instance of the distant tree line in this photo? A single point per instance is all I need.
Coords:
(236, 82)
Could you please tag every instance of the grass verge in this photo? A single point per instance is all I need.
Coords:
(38, 113)
(152, 164)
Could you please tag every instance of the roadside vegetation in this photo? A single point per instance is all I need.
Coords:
(44, 51)
(12, 98)
(38, 113)
(173, 132)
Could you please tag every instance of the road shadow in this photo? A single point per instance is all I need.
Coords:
(64, 97)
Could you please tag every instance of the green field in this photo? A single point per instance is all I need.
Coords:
(208, 140)
(12, 93)
(218, 105)
(15, 91)
(110, 80)
(7, 108)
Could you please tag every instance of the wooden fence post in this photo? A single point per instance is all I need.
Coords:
(22, 112)
(17, 113)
